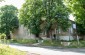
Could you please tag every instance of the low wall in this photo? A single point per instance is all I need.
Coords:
(67, 38)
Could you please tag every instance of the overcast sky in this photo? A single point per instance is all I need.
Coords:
(16, 3)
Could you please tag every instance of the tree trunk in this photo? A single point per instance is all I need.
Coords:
(38, 37)
(48, 35)
(8, 34)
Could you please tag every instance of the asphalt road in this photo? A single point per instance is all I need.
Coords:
(50, 51)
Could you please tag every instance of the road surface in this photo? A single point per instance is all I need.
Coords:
(46, 51)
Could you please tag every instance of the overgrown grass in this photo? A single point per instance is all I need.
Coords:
(73, 44)
(51, 43)
(32, 41)
(23, 41)
(6, 50)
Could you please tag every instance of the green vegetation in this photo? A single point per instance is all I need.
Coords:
(54, 43)
(8, 20)
(77, 8)
(73, 44)
(23, 41)
(31, 15)
(44, 15)
(51, 43)
(2, 36)
(6, 50)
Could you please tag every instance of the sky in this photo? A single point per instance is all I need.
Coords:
(18, 4)
(71, 17)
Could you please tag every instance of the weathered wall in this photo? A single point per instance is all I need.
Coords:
(24, 33)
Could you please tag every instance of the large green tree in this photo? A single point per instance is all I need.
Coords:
(30, 15)
(77, 8)
(56, 15)
(42, 15)
(8, 19)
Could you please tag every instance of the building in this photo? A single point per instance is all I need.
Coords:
(24, 33)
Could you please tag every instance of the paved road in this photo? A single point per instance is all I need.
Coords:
(45, 51)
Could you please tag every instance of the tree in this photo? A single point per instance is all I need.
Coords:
(77, 8)
(34, 11)
(30, 16)
(56, 14)
(8, 19)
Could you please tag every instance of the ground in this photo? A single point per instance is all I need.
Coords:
(50, 51)
(6, 50)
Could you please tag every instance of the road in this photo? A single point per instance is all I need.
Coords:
(46, 51)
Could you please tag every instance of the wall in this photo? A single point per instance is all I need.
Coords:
(22, 33)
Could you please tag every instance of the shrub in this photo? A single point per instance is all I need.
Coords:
(6, 50)
(2, 36)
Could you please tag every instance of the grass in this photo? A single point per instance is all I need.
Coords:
(32, 41)
(73, 44)
(23, 41)
(6, 50)
(51, 43)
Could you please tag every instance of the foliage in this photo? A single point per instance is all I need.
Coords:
(73, 44)
(2, 36)
(30, 15)
(56, 14)
(34, 11)
(77, 8)
(8, 19)
(23, 41)
(6, 50)
(50, 43)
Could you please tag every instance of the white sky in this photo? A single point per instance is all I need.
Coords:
(71, 17)
(16, 3)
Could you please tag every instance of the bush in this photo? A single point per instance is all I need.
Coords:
(6, 50)
(24, 41)
(51, 43)
(2, 36)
